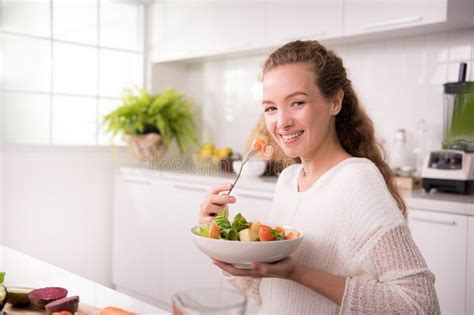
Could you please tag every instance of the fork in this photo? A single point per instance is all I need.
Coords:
(246, 158)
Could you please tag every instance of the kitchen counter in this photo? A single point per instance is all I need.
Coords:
(25, 271)
(416, 199)
(439, 202)
(266, 183)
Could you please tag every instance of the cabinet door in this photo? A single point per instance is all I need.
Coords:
(442, 239)
(200, 28)
(288, 20)
(365, 16)
(184, 266)
(134, 260)
(470, 267)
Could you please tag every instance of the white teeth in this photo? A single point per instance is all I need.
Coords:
(289, 137)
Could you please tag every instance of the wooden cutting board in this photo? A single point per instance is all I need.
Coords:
(31, 310)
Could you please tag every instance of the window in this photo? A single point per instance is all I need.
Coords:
(64, 65)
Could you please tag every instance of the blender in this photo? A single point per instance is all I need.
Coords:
(452, 169)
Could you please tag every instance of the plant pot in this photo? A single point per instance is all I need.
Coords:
(145, 146)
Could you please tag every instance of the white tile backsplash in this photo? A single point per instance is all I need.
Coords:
(399, 81)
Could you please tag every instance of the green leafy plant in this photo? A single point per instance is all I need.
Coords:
(169, 113)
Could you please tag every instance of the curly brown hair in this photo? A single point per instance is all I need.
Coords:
(354, 127)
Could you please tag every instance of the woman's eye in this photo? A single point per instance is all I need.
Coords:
(298, 103)
(269, 109)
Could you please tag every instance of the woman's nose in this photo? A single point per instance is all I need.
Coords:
(285, 121)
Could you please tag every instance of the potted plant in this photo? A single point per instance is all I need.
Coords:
(149, 123)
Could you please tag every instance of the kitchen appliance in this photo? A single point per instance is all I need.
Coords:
(452, 169)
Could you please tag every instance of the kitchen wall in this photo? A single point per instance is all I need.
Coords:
(57, 205)
(1, 194)
(399, 81)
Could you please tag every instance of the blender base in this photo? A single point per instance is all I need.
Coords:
(449, 185)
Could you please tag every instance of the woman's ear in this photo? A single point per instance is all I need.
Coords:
(336, 103)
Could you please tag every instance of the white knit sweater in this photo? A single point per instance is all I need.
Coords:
(353, 229)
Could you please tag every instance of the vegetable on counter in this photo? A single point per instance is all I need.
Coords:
(18, 296)
(109, 310)
(69, 304)
(3, 296)
(3, 292)
(41, 297)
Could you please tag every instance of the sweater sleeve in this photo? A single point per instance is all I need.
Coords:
(248, 286)
(391, 275)
(402, 283)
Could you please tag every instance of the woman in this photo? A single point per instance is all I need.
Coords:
(358, 255)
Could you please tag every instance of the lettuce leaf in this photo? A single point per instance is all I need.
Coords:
(229, 234)
(240, 223)
(203, 230)
(222, 220)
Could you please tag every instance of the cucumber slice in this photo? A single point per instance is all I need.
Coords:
(3, 296)
(18, 296)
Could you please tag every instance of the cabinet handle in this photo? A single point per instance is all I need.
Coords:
(393, 22)
(256, 195)
(190, 187)
(437, 221)
(136, 181)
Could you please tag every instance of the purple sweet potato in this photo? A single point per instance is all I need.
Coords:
(41, 297)
(69, 304)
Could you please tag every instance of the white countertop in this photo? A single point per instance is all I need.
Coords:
(265, 183)
(439, 202)
(415, 199)
(25, 271)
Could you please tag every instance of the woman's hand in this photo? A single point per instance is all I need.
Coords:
(329, 285)
(285, 269)
(214, 202)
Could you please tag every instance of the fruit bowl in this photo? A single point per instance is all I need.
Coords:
(242, 254)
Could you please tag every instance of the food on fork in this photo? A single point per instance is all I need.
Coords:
(259, 144)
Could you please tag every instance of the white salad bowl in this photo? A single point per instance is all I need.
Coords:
(242, 254)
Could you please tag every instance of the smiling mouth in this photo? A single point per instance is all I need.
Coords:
(292, 136)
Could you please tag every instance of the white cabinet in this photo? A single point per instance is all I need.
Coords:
(470, 267)
(289, 20)
(442, 239)
(363, 16)
(187, 29)
(134, 231)
(153, 252)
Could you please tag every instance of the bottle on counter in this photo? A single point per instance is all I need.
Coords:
(420, 149)
(401, 158)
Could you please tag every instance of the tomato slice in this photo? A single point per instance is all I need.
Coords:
(264, 233)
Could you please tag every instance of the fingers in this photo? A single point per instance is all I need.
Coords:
(236, 271)
(215, 201)
(219, 189)
(220, 199)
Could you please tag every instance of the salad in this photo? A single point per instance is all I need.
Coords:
(242, 230)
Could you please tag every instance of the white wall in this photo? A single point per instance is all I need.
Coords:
(399, 81)
(1, 193)
(57, 205)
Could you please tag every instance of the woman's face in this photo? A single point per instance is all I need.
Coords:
(297, 115)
